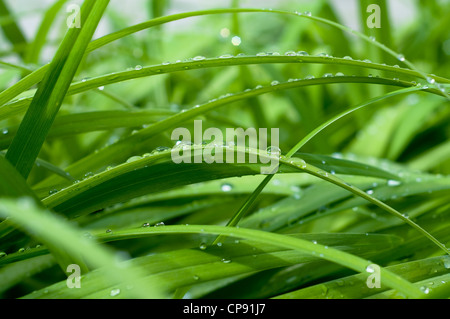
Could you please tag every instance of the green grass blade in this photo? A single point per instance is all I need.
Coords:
(12, 30)
(330, 254)
(354, 286)
(127, 147)
(247, 205)
(53, 230)
(335, 180)
(39, 118)
(35, 47)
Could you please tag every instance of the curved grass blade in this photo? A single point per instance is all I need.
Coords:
(247, 205)
(48, 166)
(355, 286)
(77, 123)
(53, 230)
(346, 167)
(27, 83)
(128, 146)
(148, 174)
(435, 288)
(181, 267)
(117, 77)
(337, 181)
(25, 70)
(313, 248)
(11, 275)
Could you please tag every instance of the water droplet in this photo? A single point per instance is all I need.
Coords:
(339, 74)
(322, 173)
(372, 38)
(236, 41)
(309, 77)
(431, 80)
(226, 187)
(114, 292)
(425, 290)
(322, 54)
(21, 250)
(108, 231)
(367, 61)
(134, 159)
(274, 150)
(401, 57)
(138, 67)
(5, 131)
(302, 53)
(290, 53)
(101, 88)
(298, 162)
(369, 192)
(160, 149)
(347, 57)
(199, 58)
(307, 13)
(447, 263)
(3, 254)
(328, 75)
(196, 277)
(370, 269)
(226, 56)
(160, 224)
(226, 261)
(202, 246)
(314, 242)
(392, 182)
(261, 54)
(274, 83)
(146, 225)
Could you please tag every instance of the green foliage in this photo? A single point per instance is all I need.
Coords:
(87, 175)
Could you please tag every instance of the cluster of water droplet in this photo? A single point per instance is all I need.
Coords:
(145, 225)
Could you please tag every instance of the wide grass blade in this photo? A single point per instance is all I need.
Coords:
(54, 231)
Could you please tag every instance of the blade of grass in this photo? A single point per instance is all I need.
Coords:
(35, 47)
(247, 205)
(45, 105)
(12, 30)
(53, 230)
(14, 91)
(127, 147)
(330, 254)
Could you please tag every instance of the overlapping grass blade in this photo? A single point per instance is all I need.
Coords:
(54, 231)
(48, 99)
(355, 286)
